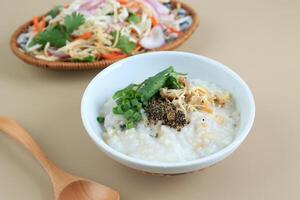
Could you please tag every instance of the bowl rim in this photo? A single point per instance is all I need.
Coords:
(207, 159)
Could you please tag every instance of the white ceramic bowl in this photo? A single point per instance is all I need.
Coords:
(136, 69)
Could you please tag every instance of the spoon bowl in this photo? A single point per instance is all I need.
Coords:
(85, 189)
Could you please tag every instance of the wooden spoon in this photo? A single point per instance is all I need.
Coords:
(65, 185)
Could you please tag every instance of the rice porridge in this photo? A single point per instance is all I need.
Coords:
(205, 120)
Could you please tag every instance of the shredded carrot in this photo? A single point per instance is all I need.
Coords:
(112, 56)
(35, 24)
(43, 24)
(66, 6)
(154, 21)
(138, 47)
(123, 1)
(133, 5)
(170, 29)
(84, 36)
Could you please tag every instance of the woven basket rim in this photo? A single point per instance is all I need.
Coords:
(59, 65)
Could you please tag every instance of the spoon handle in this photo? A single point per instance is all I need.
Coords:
(58, 177)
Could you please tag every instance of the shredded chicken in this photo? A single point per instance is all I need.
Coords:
(170, 94)
(221, 100)
(191, 99)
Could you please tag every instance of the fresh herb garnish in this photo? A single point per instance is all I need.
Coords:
(173, 83)
(55, 11)
(125, 91)
(167, 78)
(86, 59)
(134, 97)
(129, 105)
(53, 34)
(72, 22)
(134, 18)
(124, 43)
(152, 85)
(57, 35)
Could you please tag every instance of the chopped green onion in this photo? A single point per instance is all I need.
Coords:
(136, 104)
(128, 114)
(126, 104)
(129, 125)
(137, 116)
(118, 110)
(101, 119)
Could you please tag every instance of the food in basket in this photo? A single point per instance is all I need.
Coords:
(169, 118)
(93, 30)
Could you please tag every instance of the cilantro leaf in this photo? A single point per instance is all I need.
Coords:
(55, 11)
(134, 18)
(86, 59)
(72, 22)
(55, 35)
(124, 43)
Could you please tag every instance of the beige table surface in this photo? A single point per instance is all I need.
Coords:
(259, 39)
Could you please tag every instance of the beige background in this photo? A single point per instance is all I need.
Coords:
(259, 39)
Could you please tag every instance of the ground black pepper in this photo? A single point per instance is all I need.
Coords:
(162, 110)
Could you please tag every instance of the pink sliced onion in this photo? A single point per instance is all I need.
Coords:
(85, 4)
(167, 20)
(158, 7)
(90, 6)
(109, 29)
(154, 40)
(161, 12)
(62, 56)
(145, 3)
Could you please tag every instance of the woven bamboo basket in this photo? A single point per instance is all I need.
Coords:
(59, 65)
